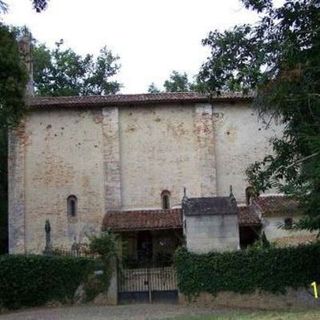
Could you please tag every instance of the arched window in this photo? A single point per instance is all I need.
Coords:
(165, 198)
(72, 206)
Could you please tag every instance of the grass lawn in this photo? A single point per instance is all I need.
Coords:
(263, 315)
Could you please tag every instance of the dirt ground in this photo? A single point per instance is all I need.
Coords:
(122, 312)
(155, 311)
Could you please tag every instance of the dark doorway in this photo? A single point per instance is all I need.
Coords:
(249, 235)
(144, 246)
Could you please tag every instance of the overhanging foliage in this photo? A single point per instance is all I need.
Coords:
(279, 59)
(63, 72)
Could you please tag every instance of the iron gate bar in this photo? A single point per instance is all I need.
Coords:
(147, 281)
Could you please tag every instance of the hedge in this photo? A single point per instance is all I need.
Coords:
(271, 270)
(34, 280)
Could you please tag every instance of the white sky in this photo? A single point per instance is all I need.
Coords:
(151, 37)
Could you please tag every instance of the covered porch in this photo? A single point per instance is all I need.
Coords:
(149, 238)
(249, 226)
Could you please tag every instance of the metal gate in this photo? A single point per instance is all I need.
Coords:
(147, 285)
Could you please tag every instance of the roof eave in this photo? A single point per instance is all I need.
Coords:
(131, 100)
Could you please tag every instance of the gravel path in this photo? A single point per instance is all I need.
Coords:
(90, 312)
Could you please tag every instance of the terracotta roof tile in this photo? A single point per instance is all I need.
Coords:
(132, 99)
(135, 220)
(248, 216)
(142, 220)
(276, 205)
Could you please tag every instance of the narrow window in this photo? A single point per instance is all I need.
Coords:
(72, 206)
(165, 197)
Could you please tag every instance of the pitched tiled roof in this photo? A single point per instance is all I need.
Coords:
(209, 206)
(133, 99)
(160, 219)
(274, 205)
(264, 206)
(248, 217)
(142, 220)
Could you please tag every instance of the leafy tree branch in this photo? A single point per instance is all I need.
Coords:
(278, 59)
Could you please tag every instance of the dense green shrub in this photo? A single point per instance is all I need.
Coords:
(272, 270)
(34, 280)
(105, 245)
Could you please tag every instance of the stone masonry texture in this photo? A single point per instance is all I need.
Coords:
(122, 158)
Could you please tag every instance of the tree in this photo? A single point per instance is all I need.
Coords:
(279, 59)
(178, 82)
(13, 80)
(62, 72)
(106, 246)
(38, 5)
(153, 88)
(3, 7)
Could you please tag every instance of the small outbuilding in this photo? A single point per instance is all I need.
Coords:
(211, 224)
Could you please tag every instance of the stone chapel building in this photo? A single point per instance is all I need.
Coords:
(121, 162)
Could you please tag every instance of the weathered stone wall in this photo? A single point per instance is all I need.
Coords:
(212, 233)
(241, 138)
(205, 147)
(16, 186)
(165, 148)
(123, 158)
(111, 158)
(63, 157)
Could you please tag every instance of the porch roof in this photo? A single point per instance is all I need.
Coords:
(276, 205)
(248, 217)
(138, 220)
